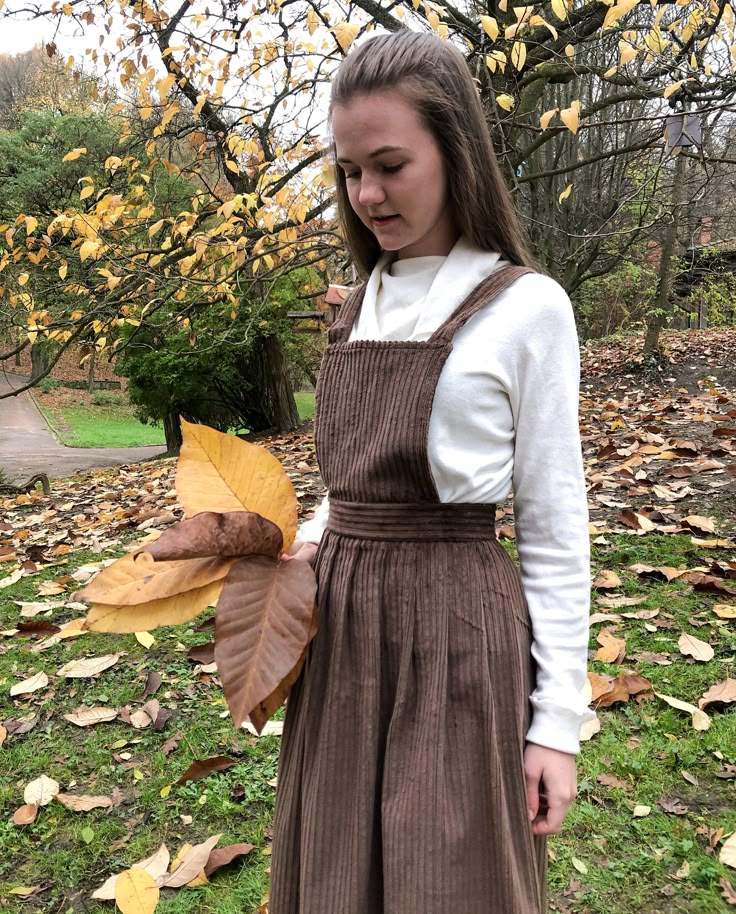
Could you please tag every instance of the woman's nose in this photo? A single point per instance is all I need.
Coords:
(371, 191)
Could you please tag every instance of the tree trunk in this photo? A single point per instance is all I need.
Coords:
(39, 360)
(91, 373)
(278, 393)
(664, 281)
(172, 430)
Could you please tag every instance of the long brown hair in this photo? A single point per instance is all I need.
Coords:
(432, 75)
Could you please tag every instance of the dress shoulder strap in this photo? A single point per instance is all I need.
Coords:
(340, 329)
(483, 293)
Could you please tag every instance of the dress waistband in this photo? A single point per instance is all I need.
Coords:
(459, 522)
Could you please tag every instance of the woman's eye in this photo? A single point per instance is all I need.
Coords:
(352, 174)
(391, 169)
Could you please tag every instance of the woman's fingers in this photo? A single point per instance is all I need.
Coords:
(550, 787)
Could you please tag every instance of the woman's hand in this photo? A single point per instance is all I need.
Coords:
(551, 786)
(301, 550)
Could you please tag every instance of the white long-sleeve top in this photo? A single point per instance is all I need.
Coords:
(505, 414)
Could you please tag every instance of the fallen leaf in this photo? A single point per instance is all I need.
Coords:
(725, 610)
(191, 864)
(80, 803)
(204, 767)
(694, 647)
(88, 666)
(136, 892)
(587, 730)
(221, 856)
(606, 580)
(728, 892)
(641, 811)
(720, 693)
(41, 791)
(727, 855)
(39, 681)
(155, 865)
(25, 814)
(11, 579)
(701, 721)
(612, 650)
(89, 717)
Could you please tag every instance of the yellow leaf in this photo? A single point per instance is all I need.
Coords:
(87, 249)
(346, 32)
(545, 119)
(232, 166)
(23, 279)
(566, 193)
(136, 892)
(136, 579)
(507, 102)
(165, 791)
(626, 52)
(156, 227)
(673, 87)
(490, 27)
(168, 611)
(570, 118)
(312, 20)
(74, 154)
(31, 225)
(570, 51)
(63, 271)
(218, 472)
(86, 192)
(559, 9)
(145, 638)
(518, 54)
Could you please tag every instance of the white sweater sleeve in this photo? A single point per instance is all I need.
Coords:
(311, 530)
(551, 511)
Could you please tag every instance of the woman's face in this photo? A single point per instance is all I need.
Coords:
(395, 176)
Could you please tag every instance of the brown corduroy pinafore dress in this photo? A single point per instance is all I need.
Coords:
(401, 784)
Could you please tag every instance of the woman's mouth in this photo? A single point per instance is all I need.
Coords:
(380, 221)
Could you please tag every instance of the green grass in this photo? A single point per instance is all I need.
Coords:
(632, 863)
(110, 424)
(305, 404)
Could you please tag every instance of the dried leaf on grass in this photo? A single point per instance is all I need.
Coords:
(727, 855)
(722, 693)
(221, 856)
(89, 717)
(41, 791)
(191, 864)
(694, 647)
(39, 681)
(156, 866)
(88, 666)
(203, 768)
(80, 803)
(700, 719)
(612, 650)
(25, 814)
(136, 892)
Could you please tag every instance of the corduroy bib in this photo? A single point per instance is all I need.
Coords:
(401, 783)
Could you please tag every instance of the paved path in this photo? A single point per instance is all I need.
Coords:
(27, 446)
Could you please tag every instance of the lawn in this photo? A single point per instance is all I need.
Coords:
(607, 860)
(102, 419)
(106, 418)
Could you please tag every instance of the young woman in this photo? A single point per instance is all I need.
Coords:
(429, 744)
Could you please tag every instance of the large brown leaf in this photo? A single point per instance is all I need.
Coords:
(137, 578)
(234, 533)
(263, 624)
(218, 472)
